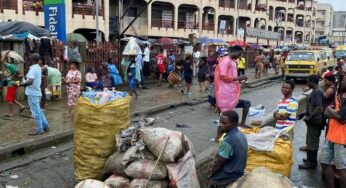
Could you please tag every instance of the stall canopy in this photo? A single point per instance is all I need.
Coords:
(21, 30)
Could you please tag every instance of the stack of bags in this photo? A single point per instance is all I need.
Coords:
(103, 97)
(156, 158)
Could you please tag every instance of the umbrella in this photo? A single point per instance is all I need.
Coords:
(238, 42)
(255, 46)
(76, 37)
(165, 40)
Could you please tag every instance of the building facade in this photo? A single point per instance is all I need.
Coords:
(339, 27)
(293, 19)
(324, 20)
(80, 15)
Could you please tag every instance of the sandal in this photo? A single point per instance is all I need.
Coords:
(22, 109)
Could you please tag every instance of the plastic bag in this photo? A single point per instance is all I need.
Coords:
(142, 169)
(94, 135)
(132, 48)
(183, 173)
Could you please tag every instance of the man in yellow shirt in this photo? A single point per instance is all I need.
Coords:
(241, 66)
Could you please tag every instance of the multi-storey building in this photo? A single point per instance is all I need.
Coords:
(80, 15)
(324, 20)
(339, 27)
(294, 19)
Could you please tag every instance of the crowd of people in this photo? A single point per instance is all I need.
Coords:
(221, 74)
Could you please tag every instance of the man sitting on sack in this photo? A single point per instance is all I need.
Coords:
(231, 159)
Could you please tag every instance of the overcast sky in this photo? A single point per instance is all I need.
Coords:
(337, 4)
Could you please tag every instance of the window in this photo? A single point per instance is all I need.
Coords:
(132, 12)
(323, 13)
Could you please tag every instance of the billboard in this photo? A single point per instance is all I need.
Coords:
(55, 18)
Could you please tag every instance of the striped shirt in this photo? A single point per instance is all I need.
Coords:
(289, 106)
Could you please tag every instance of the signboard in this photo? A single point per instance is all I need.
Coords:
(263, 34)
(222, 24)
(55, 18)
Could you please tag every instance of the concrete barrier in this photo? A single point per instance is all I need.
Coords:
(204, 158)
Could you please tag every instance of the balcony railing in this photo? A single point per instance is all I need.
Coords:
(301, 7)
(187, 25)
(300, 23)
(208, 26)
(226, 4)
(291, 1)
(282, 0)
(32, 5)
(162, 23)
(244, 6)
(86, 9)
(8, 4)
(261, 7)
(309, 9)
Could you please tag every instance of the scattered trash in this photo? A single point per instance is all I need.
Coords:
(66, 158)
(14, 176)
(216, 121)
(212, 139)
(4, 174)
(53, 147)
(171, 112)
(182, 126)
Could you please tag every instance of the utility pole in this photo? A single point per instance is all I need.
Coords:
(97, 22)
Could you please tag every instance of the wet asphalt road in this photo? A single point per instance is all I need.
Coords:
(57, 170)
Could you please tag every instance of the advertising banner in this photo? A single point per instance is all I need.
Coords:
(55, 18)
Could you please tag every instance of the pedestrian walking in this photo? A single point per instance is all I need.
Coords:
(259, 63)
(72, 80)
(211, 94)
(286, 111)
(196, 58)
(33, 93)
(133, 75)
(329, 95)
(188, 75)
(334, 151)
(313, 119)
(139, 64)
(277, 62)
(266, 65)
(202, 72)
(10, 84)
(230, 161)
(160, 62)
(146, 60)
(241, 66)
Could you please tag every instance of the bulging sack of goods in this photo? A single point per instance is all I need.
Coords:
(114, 165)
(154, 139)
(143, 169)
(141, 183)
(262, 177)
(94, 136)
(117, 182)
(90, 183)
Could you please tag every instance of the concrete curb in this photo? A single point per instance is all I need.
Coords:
(20, 149)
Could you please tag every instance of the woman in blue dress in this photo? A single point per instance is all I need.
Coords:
(133, 76)
(112, 69)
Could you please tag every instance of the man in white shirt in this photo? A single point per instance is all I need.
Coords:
(196, 58)
(146, 60)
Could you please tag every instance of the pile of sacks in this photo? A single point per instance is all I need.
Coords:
(102, 97)
(155, 158)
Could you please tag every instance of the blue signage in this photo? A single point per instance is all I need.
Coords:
(55, 20)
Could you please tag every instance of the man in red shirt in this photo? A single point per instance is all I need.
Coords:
(160, 61)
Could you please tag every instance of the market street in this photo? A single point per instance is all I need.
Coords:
(58, 170)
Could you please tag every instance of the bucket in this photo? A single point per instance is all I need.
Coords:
(173, 78)
(256, 116)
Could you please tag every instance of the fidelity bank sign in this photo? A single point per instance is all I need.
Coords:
(55, 18)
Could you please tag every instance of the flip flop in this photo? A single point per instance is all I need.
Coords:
(22, 109)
